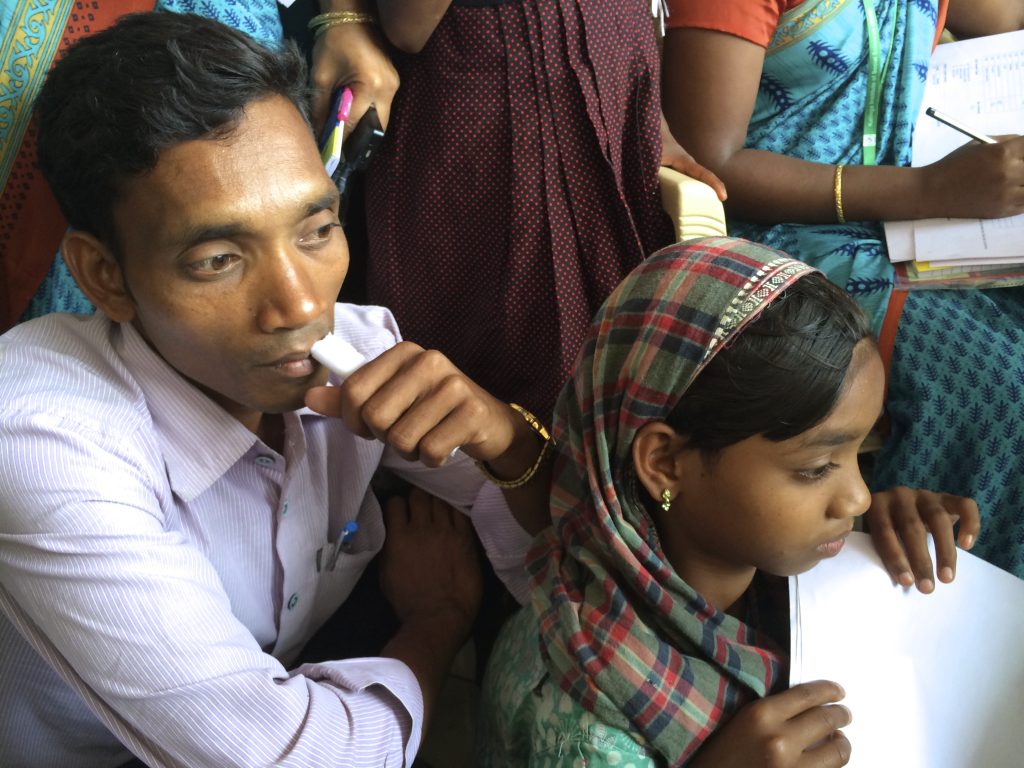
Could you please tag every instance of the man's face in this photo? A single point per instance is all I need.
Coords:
(234, 257)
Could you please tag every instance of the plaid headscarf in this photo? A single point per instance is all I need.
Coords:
(621, 632)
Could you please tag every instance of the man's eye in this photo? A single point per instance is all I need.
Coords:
(213, 264)
(320, 234)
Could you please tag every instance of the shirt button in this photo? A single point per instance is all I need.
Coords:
(265, 461)
(284, 508)
(293, 601)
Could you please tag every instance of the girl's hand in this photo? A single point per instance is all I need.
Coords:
(899, 521)
(798, 728)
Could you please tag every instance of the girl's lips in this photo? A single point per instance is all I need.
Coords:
(832, 548)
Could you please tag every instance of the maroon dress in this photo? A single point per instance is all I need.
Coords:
(517, 185)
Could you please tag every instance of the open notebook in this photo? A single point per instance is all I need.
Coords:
(933, 681)
(979, 82)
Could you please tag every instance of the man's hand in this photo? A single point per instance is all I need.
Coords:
(418, 402)
(899, 521)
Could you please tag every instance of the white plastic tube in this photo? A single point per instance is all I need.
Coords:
(337, 356)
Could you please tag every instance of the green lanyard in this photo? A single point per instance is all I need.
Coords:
(874, 84)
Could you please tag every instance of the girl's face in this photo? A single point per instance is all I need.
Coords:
(777, 506)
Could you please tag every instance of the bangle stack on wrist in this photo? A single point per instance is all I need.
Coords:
(323, 22)
(545, 451)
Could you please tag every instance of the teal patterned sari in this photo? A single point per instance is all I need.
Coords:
(955, 400)
(810, 105)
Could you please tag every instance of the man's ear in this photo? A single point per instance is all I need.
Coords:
(99, 274)
(658, 459)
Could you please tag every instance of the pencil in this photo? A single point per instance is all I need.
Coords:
(957, 126)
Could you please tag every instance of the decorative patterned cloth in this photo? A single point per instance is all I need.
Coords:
(33, 35)
(517, 185)
(621, 633)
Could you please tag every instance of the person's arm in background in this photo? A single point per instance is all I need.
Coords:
(674, 156)
(431, 578)
(710, 81)
(408, 24)
(975, 18)
(351, 54)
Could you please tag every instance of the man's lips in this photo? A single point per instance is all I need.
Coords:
(294, 364)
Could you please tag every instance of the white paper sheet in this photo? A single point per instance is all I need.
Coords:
(933, 681)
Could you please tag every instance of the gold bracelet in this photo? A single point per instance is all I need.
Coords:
(840, 216)
(527, 476)
(330, 19)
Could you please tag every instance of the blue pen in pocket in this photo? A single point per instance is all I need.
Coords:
(348, 532)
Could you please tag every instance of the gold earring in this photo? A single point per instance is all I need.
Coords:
(666, 499)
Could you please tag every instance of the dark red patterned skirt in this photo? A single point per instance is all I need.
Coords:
(517, 185)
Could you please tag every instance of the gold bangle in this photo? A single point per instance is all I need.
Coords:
(527, 476)
(319, 24)
(840, 216)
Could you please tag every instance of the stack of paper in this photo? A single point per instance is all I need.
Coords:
(980, 83)
(932, 681)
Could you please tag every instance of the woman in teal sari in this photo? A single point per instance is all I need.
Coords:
(780, 99)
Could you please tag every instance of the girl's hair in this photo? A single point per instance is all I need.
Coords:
(780, 376)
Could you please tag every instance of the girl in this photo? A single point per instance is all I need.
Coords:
(707, 444)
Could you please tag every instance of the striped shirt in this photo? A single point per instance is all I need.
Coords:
(161, 567)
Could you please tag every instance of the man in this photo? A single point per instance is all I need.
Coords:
(174, 525)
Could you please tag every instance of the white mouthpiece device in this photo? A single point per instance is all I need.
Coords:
(337, 355)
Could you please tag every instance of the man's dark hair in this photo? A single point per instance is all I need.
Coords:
(781, 376)
(151, 81)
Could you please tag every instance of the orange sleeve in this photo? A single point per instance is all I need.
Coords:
(753, 20)
(943, 7)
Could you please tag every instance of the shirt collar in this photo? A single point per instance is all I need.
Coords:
(200, 441)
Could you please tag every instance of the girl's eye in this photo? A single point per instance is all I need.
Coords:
(818, 473)
(320, 235)
(213, 264)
